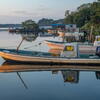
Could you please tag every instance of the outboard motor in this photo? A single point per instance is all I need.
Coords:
(98, 51)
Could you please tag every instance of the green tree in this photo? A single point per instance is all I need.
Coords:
(30, 25)
(85, 16)
(45, 21)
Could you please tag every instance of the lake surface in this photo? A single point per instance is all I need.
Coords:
(22, 82)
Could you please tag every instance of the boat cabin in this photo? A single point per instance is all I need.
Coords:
(70, 50)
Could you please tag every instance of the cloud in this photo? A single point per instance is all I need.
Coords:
(25, 13)
(20, 12)
(43, 8)
(41, 11)
(38, 12)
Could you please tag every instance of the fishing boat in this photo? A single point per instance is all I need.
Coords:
(46, 58)
(69, 55)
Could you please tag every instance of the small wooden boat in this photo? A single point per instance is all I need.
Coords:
(40, 57)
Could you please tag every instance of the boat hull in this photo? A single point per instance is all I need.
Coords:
(47, 60)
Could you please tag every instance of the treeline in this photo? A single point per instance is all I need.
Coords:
(46, 21)
(86, 16)
(41, 22)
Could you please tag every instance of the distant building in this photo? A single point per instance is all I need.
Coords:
(56, 28)
(46, 27)
(71, 28)
(65, 27)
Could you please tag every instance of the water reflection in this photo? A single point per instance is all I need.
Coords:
(27, 36)
(69, 73)
(97, 73)
(71, 76)
(24, 84)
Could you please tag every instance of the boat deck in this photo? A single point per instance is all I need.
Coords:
(26, 53)
(45, 54)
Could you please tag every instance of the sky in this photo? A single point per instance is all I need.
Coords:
(17, 11)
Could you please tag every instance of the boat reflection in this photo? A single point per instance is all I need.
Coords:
(71, 76)
(21, 67)
(97, 73)
(70, 73)
(29, 37)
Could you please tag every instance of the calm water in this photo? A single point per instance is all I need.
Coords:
(67, 84)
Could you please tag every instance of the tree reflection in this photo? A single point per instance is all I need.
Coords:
(29, 37)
